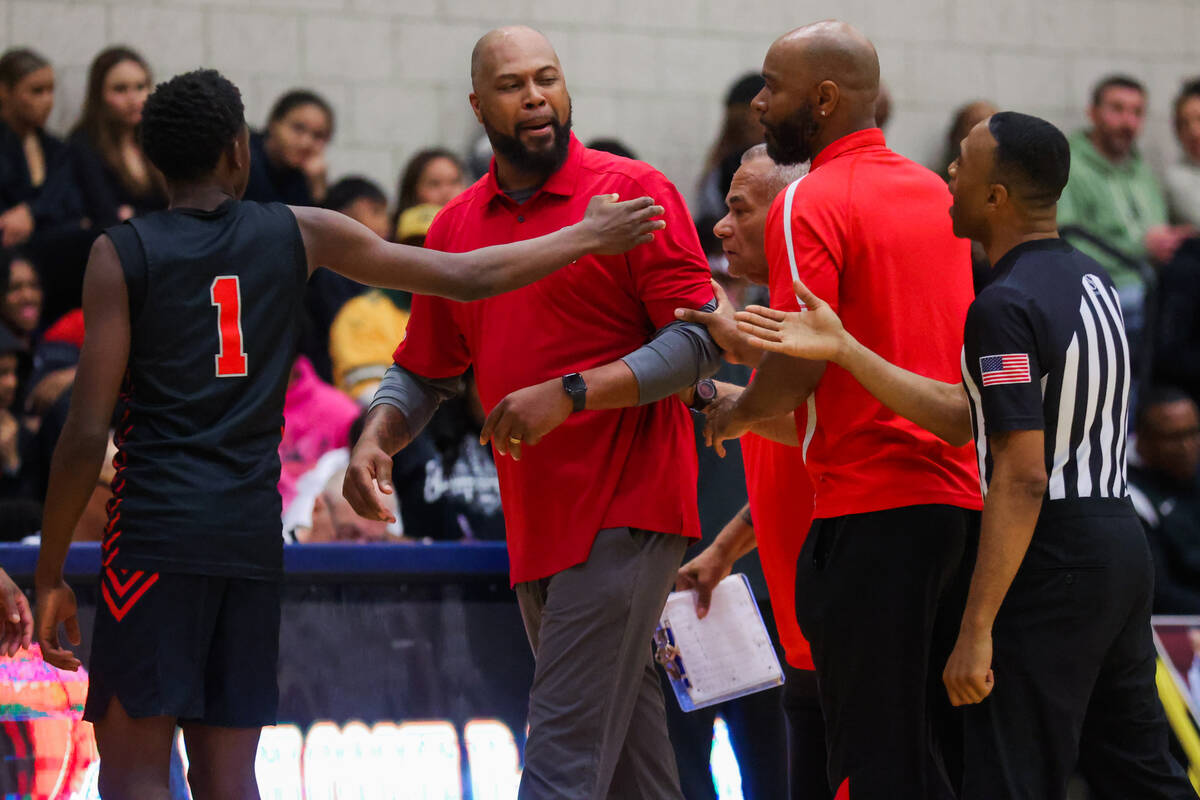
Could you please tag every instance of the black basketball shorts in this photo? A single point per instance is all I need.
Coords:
(195, 647)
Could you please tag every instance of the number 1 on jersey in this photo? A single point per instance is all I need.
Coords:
(226, 295)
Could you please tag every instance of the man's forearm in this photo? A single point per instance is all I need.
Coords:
(938, 407)
(780, 385)
(1010, 515)
(416, 398)
(780, 429)
(74, 470)
(736, 539)
(680, 354)
(387, 426)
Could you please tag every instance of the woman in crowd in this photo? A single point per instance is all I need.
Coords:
(966, 118)
(431, 177)
(287, 160)
(1183, 177)
(27, 152)
(104, 177)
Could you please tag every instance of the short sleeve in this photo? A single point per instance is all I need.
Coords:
(1001, 362)
(806, 246)
(434, 346)
(671, 272)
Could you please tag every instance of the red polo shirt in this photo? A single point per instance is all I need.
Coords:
(781, 503)
(600, 469)
(868, 231)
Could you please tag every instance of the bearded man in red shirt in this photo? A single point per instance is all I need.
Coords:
(596, 457)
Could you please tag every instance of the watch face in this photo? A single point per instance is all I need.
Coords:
(706, 390)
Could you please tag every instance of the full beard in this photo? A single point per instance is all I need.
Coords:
(534, 162)
(790, 140)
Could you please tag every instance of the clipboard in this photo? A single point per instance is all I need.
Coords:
(726, 655)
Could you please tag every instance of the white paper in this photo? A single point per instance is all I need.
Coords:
(728, 653)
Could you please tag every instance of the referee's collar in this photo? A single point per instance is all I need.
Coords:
(868, 137)
(1033, 245)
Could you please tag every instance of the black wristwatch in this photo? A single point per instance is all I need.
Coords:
(576, 389)
(703, 394)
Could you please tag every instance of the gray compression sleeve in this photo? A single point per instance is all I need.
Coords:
(417, 397)
(680, 354)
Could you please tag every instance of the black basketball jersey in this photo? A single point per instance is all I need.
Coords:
(1045, 349)
(214, 307)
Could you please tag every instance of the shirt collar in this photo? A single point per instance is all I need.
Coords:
(1006, 261)
(869, 137)
(562, 182)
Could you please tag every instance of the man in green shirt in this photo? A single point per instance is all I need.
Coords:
(1113, 194)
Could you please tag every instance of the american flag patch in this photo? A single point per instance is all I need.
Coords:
(1007, 368)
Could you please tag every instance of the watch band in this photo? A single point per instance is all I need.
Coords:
(576, 389)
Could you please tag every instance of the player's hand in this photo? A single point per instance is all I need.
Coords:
(736, 347)
(525, 416)
(16, 225)
(614, 227)
(369, 475)
(17, 632)
(816, 334)
(703, 573)
(56, 606)
(968, 675)
(723, 422)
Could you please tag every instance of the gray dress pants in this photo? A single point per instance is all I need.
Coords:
(597, 728)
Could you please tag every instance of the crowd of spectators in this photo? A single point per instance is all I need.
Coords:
(57, 195)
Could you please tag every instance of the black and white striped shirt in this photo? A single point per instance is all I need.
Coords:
(1045, 349)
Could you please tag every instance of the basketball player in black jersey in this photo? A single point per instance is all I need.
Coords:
(1054, 662)
(191, 318)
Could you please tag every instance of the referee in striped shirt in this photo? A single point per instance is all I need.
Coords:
(1054, 659)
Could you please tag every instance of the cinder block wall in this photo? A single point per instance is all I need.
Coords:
(651, 72)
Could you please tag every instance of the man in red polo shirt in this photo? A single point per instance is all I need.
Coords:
(596, 457)
(880, 577)
(780, 492)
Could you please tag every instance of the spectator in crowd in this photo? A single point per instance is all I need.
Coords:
(414, 222)
(1183, 177)
(316, 418)
(966, 118)
(1113, 194)
(27, 152)
(360, 199)
(611, 145)
(104, 177)
(433, 176)
(740, 130)
(328, 292)
(21, 308)
(461, 476)
(1165, 488)
(1177, 322)
(19, 513)
(330, 517)
(287, 160)
(362, 339)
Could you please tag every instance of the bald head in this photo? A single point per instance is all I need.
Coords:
(833, 51)
(506, 45)
(822, 82)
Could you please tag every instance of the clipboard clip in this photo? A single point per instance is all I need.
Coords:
(668, 655)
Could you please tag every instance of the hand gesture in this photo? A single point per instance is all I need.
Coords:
(621, 226)
(56, 606)
(816, 334)
(723, 422)
(736, 347)
(525, 416)
(368, 477)
(968, 675)
(702, 573)
(17, 632)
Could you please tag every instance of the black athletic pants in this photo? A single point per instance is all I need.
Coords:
(879, 596)
(1074, 663)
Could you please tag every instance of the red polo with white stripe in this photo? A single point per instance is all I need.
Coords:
(868, 231)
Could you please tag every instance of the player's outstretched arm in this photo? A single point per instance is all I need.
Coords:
(817, 334)
(79, 454)
(712, 564)
(339, 243)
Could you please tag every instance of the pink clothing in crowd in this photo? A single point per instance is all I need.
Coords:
(316, 419)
